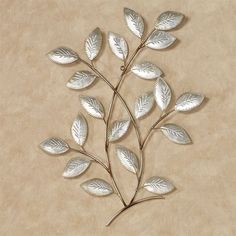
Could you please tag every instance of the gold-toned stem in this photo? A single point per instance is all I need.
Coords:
(116, 187)
(131, 205)
(110, 110)
(104, 120)
(154, 126)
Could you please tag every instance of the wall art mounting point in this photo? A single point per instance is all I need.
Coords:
(159, 98)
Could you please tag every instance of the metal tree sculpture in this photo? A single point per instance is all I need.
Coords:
(157, 39)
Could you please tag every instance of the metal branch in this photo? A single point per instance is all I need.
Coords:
(154, 126)
(65, 55)
(116, 93)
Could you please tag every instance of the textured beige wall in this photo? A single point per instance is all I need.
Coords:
(35, 104)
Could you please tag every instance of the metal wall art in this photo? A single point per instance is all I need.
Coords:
(159, 38)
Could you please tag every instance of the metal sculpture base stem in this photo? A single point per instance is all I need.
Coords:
(131, 205)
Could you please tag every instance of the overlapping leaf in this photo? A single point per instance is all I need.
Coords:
(160, 40)
(118, 45)
(63, 55)
(54, 146)
(146, 70)
(81, 79)
(79, 130)
(169, 20)
(158, 185)
(75, 167)
(93, 44)
(127, 158)
(93, 106)
(134, 21)
(162, 94)
(143, 104)
(188, 101)
(97, 187)
(118, 129)
(176, 134)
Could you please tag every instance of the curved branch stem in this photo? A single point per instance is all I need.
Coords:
(154, 126)
(116, 188)
(131, 205)
(116, 93)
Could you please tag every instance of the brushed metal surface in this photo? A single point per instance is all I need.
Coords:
(134, 22)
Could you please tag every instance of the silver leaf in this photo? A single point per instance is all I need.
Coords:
(160, 40)
(128, 159)
(176, 134)
(118, 129)
(169, 20)
(158, 185)
(146, 70)
(118, 45)
(134, 21)
(75, 167)
(79, 130)
(143, 104)
(54, 146)
(162, 94)
(93, 106)
(93, 44)
(97, 187)
(188, 101)
(81, 80)
(63, 55)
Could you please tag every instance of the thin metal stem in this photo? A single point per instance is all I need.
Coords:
(116, 187)
(110, 110)
(154, 126)
(104, 120)
(131, 205)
